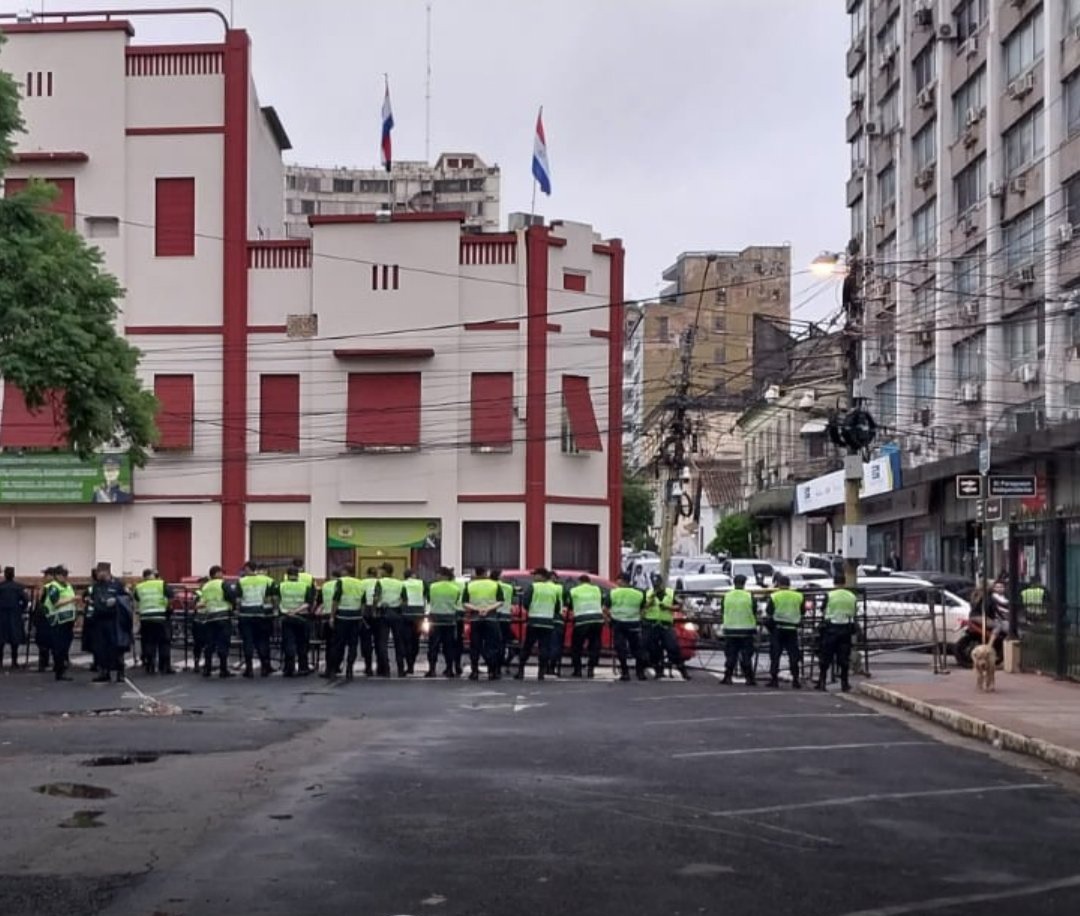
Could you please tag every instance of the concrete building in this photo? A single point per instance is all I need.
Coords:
(633, 391)
(457, 182)
(368, 394)
(964, 130)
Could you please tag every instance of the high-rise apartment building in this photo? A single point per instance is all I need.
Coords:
(964, 130)
(457, 182)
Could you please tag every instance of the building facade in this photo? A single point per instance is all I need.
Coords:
(633, 391)
(392, 389)
(457, 182)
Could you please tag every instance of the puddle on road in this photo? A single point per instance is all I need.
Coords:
(83, 819)
(281, 817)
(74, 790)
(129, 759)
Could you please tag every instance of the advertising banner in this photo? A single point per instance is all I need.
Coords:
(60, 478)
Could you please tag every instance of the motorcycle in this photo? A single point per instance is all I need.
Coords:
(974, 636)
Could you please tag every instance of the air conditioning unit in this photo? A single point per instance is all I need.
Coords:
(1028, 373)
(879, 220)
(968, 225)
(925, 98)
(971, 46)
(872, 129)
(969, 309)
(997, 188)
(924, 177)
(1018, 185)
(946, 32)
(1020, 87)
(969, 393)
(1065, 233)
(1023, 276)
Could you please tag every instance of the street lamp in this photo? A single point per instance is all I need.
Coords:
(829, 264)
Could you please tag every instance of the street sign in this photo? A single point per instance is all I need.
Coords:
(968, 486)
(993, 510)
(1013, 486)
(984, 455)
(1000, 532)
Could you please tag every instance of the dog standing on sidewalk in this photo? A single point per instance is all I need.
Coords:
(984, 661)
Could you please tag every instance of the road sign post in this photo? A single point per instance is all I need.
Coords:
(1012, 486)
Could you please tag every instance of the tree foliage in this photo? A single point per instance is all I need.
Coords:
(734, 536)
(58, 341)
(637, 510)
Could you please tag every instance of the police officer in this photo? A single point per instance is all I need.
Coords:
(740, 632)
(1034, 600)
(89, 642)
(783, 618)
(324, 621)
(413, 618)
(837, 631)
(623, 607)
(255, 600)
(586, 600)
(558, 630)
(213, 608)
(390, 597)
(370, 620)
(347, 618)
(61, 608)
(152, 598)
(444, 596)
(505, 616)
(481, 599)
(114, 623)
(661, 605)
(307, 578)
(295, 598)
(543, 604)
(13, 604)
(40, 620)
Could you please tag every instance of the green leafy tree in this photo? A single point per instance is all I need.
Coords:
(58, 342)
(637, 510)
(735, 535)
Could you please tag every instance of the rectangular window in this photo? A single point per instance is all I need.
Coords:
(21, 427)
(969, 99)
(968, 359)
(925, 67)
(344, 185)
(969, 17)
(886, 257)
(886, 186)
(383, 411)
(886, 404)
(1022, 337)
(307, 207)
(290, 183)
(313, 183)
(924, 228)
(886, 36)
(374, 186)
(1024, 142)
(575, 547)
(279, 413)
(663, 332)
(573, 281)
(858, 21)
(64, 203)
(1023, 238)
(1072, 201)
(491, 545)
(1024, 46)
(176, 412)
(922, 380)
(1072, 14)
(492, 411)
(276, 544)
(580, 430)
(924, 147)
(967, 274)
(924, 303)
(1072, 103)
(857, 84)
(858, 152)
(969, 186)
(890, 112)
(858, 220)
(174, 218)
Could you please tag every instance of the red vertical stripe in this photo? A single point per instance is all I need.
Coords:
(383, 410)
(176, 411)
(279, 413)
(536, 274)
(39, 81)
(374, 276)
(174, 218)
(385, 277)
(615, 425)
(492, 409)
(48, 80)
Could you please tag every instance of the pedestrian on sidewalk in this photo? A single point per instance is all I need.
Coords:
(14, 601)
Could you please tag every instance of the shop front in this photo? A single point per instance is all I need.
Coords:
(414, 543)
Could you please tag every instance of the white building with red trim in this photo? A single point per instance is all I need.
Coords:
(390, 389)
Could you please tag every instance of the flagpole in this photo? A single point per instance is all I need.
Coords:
(389, 162)
(532, 208)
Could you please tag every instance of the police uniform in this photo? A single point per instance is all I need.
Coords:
(740, 632)
(624, 608)
(60, 610)
(413, 620)
(558, 633)
(13, 604)
(661, 639)
(543, 603)
(785, 616)
(482, 598)
(837, 631)
(505, 616)
(587, 603)
(369, 622)
(324, 623)
(39, 618)
(444, 599)
(113, 625)
(152, 601)
(390, 592)
(295, 597)
(348, 617)
(256, 613)
(213, 609)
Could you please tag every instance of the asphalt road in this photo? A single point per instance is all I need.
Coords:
(465, 799)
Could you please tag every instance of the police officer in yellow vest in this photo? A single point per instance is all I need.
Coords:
(60, 603)
(444, 596)
(506, 620)
(1034, 601)
(256, 613)
(213, 608)
(413, 618)
(660, 639)
(740, 632)
(586, 600)
(623, 607)
(543, 604)
(347, 617)
(836, 635)
(370, 621)
(390, 598)
(481, 599)
(295, 599)
(152, 599)
(302, 576)
(783, 619)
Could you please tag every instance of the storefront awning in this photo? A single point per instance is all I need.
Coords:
(813, 428)
(776, 502)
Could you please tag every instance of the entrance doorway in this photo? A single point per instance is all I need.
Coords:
(172, 548)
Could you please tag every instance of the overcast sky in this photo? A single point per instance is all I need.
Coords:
(673, 124)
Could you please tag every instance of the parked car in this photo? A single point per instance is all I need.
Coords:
(758, 573)
(960, 586)
(831, 563)
(894, 605)
(804, 577)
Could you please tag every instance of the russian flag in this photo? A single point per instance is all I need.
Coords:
(540, 168)
(387, 126)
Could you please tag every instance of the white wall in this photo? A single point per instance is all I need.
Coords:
(266, 185)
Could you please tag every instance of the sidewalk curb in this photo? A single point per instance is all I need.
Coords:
(967, 725)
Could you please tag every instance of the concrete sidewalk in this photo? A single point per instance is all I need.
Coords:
(1028, 714)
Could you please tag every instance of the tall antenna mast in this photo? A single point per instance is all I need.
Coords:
(427, 93)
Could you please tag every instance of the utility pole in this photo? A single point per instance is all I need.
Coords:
(677, 436)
